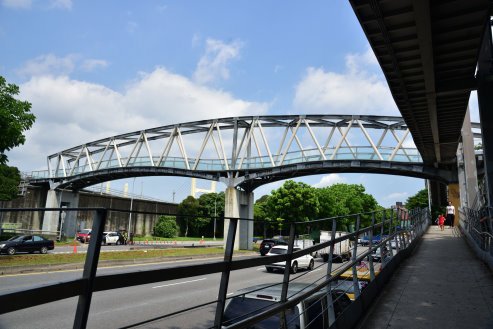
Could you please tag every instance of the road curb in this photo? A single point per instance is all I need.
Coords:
(10, 270)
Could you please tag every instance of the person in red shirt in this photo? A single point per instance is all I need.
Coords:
(441, 222)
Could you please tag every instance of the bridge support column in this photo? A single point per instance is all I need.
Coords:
(466, 163)
(239, 204)
(66, 221)
(454, 197)
(485, 102)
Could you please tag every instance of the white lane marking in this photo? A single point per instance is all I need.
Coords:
(231, 293)
(174, 284)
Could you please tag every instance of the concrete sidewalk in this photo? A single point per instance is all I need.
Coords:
(442, 285)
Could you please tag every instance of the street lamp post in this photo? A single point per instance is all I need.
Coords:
(215, 216)
(131, 206)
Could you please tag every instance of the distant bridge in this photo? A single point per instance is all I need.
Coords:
(246, 152)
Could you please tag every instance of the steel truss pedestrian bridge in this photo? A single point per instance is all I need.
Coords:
(246, 152)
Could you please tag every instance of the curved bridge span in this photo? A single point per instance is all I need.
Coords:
(246, 152)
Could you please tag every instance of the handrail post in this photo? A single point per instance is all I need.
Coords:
(372, 267)
(287, 271)
(355, 251)
(330, 305)
(90, 268)
(223, 286)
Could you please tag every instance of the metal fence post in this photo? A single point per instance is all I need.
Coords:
(223, 287)
(330, 305)
(355, 251)
(370, 260)
(90, 267)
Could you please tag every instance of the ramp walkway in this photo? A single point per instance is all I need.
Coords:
(442, 285)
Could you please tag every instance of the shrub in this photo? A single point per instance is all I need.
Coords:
(166, 227)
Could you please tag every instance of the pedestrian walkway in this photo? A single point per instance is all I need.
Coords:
(442, 285)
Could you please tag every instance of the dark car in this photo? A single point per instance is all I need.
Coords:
(267, 244)
(26, 243)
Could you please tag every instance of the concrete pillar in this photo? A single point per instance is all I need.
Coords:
(239, 204)
(50, 218)
(454, 197)
(438, 193)
(485, 101)
(467, 170)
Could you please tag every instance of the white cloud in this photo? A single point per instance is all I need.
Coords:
(71, 112)
(17, 4)
(213, 65)
(329, 180)
(91, 64)
(50, 64)
(28, 4)
(397, 196)
(62, 4)
(357, 91)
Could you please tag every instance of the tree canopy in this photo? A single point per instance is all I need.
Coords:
(15, 118)
(419, 200)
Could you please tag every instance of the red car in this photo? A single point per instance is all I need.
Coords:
(84, 236)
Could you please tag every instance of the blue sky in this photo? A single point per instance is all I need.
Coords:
(93, 69)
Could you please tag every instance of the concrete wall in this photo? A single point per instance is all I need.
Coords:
(35, 197)
(142, 223)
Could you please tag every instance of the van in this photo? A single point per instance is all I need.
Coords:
(309, 313)
(342, 250)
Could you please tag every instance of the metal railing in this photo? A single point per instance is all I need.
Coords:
(396, 228)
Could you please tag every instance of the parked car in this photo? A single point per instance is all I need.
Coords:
(266, 244)
(26, 243)
(380, 253)
(309, 313)
(305, 261)
(113, 238)
(84, 235)
(348, 287)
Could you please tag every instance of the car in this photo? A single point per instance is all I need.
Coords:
(84, 235)
(348, 287)
(113, 238)
(309, 313)
(266, 244)
(305, 261)
(26, 243)
(379, 254)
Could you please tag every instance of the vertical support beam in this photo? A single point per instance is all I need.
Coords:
(454, 197)
(50, 218)
(469, 184)
(90, 267)
(330, 302)
(239, 204)
(485, 102)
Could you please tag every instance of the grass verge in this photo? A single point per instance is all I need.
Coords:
(51, 259)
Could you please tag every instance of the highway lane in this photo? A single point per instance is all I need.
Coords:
(121, 307)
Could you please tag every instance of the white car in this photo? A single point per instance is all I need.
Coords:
(305, 261)
(111, 238)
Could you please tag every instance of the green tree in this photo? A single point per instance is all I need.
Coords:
(9, 182)
(260, 216)
(15, 118)
(188, 210)
(166, 227)
(419, 200)
(211, 205)
(294, 201)
(351, 199)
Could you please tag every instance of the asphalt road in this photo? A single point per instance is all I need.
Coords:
(126, 306)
